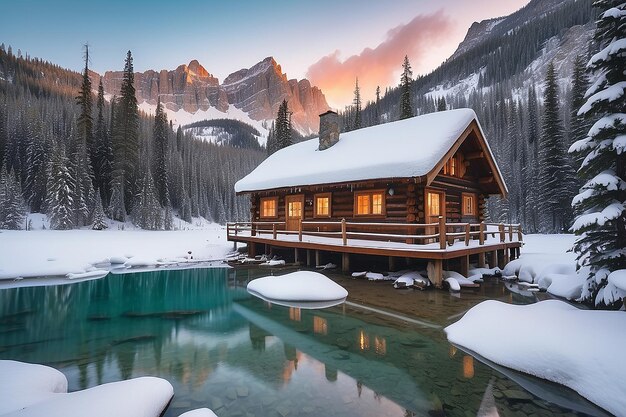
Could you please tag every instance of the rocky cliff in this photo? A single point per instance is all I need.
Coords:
(257, 91)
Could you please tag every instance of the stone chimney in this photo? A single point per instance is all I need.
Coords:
(329, 129)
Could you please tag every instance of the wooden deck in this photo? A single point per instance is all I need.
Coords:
(434, 242)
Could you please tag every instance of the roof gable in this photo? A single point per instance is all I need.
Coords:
(407, 148)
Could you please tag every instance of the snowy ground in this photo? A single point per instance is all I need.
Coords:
(38, 253)
(580, 349)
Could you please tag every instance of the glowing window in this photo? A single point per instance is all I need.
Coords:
(434, 204)
(295, 209)
(322, 205)
(469, 205)
(370, 203)
(268, 207)
(451, 167)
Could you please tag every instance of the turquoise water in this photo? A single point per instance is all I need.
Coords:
(223, 349)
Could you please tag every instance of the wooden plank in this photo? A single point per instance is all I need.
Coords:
(442, 232)
(464, 269)
(481, 260)
(345, 262)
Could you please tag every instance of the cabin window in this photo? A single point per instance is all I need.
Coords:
(469, 204)
(322, 205)
(269, 207)
(434, 204)
(295, 209)
(369, 203)
(451, 167)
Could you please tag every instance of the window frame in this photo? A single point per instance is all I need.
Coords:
(262, 200)
(330, 205)
(370, 193)
(453, 162)
(474, 198)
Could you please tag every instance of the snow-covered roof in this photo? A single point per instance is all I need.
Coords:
(402, 149)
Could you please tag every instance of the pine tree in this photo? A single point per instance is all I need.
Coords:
(377, 106)
(600, 207)
(103, 166)
(271, 140)
(406, 108)
(357, 106)
(3, 136)
(283, 127)
(117, 208)
(60, 185)
(126, 136)
(530, 171)
(579, 126)
(84, 123)
(160, 155)
(82, 185)
(167, 218)
(12, 208)
(98, 217)
(37, 162)
(148, 211)
(552, 162)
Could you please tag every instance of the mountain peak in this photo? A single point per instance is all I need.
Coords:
(195, 67)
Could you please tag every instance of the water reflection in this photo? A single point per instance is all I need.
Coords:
(224, 350)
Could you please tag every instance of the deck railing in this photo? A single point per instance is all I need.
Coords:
(445, 234)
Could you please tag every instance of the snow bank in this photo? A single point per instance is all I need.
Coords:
(581, 349)
(58, 253)
(568, 286)
(36, 390)
(541, 255)
(453, 283)
(301, 286)
(618, 278)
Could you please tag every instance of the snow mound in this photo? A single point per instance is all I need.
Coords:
(411, 278)
(42, 391)
(301, 286)
(563, 285)
(95, 274)
(453, 283)
(274, 262)
(581, 349)
(139, 261)
(200, 412)
(618, 278)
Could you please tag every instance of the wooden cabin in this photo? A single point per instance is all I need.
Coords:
(412, 188)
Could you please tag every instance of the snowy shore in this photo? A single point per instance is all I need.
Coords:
(40, 253)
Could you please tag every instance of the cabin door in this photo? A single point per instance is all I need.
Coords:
(435, 207)
(294, 211)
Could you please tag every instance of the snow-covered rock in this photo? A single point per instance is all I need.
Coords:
(412, 278)
(618, 278)
(94, 274)
(581, 349)
(403, 282)
(199, 412)
(274, 262)
(36, 390)
(300, 286)
(453, 283)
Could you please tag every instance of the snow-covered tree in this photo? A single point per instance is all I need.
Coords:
(160, 155)
(116, 209)
(60, 185)
(12, 210)
(600, 206)
(406, 108)
(147, 213)
(167, 218)
(98, 221)
(356, 124)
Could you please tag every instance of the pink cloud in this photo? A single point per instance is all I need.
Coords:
(380, 65)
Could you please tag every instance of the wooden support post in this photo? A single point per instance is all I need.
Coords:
(435, 272)
(274, 231)
(467, 234)
(501, 229)
(318, 257)
(308, 257)
(251, 249)
(345, 262)
(494, 259)
(392, 263)
(507, 258)
(300, 230)
(519, 234)
(267, 249)
(481, 260)
(464, 265)
(295, 255)
(442, 233)
(512, 251)
(510, 233)
(500, 256)
(344, 235)
(481, 234)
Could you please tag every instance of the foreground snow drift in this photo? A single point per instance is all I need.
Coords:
(299, 288)
(581, 349)
(35, 390)
(59, 253)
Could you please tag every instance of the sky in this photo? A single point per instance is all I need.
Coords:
(331, 42)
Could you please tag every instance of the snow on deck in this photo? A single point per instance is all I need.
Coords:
(581, 349)
(375, 244)
(402, 149)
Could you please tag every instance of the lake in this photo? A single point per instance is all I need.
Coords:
(224, 349)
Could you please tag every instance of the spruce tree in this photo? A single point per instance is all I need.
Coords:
(117, 208)
(600, 207)
(552, 163)
(531, 169)
(126, 136)
(160, 155)
(12, 208)
(357, 106)
(406, 108)
(271, 145)
(60, 185)
(37, 162)
(98, 218)
(82, 189)
(3, 136)
(103, 167)
(84, 123)
(283, 127)
(377, 106)
(147, 214)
